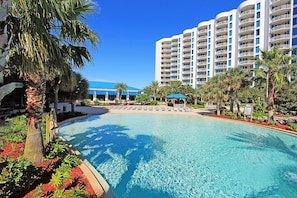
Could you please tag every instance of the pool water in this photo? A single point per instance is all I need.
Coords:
(178, 156)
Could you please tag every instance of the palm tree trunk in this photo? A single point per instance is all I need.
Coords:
(195, 100)
(56, 91)
(35, 100)
(270, 98)
(232, 104)
(218, 106)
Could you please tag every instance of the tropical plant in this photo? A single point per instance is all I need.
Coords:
(155, 86)
(215, 91)
(44, 33)
(121, 87)
(143, 99)
(276, 64)
(164, 91)
(15, 130)
(16, 175)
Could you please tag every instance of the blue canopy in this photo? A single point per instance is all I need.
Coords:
(176, 96)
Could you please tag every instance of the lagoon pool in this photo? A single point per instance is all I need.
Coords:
(178, 156)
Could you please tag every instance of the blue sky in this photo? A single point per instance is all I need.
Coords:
(129, 30)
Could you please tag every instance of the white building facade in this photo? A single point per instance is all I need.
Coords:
(233, 39)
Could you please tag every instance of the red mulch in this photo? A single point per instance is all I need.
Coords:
(278, 126)
(78, 179)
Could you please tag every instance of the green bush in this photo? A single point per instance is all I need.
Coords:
(293, 126)
(154, 102)
(16, 175)
(96, 101)
(15, 130)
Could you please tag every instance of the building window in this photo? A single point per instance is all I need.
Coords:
(295, 11)
(230, 33)
(257, 50)
(257, 56)
(208, 46)
(294, 21)
(229, 62)
(192, 33)
(192, 40)
(209, 40)
(258, 15)
(230, 40)
(257, 41)
(207, 73)
(258, 6)
(230, 25)
(192, 46)
(257, 23)
(230, 47)
(294, 31)
(208, 66)
(230, 18)
(208, 53)
(257, 32)
(208, 60)
(192, 57)
(229, 55)
(209, 33)
(209, 26)
(294, 41)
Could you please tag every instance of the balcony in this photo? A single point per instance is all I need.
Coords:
(246, 46)
(278, 2)
(246, 54)
(247, 13)
(202, 32)
(281, 19)
(222, 24)
(202, 44)
(246, 37)
(221, 37)
(248, 29)
(202, 38)
(221, 45)
(282, 37)
(280, 28)
(281, 9)
(221, 52)
(248, 21)
(221, 30)
(201, 57)
(245, 63)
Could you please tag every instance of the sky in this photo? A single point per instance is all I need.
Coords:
(129, 30)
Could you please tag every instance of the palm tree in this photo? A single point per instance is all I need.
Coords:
(215, 90)
(276, 65)
(43, 33)
(235, 80)
(155, 87)
(121, 87)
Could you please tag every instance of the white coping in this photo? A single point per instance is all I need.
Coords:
(108, 192)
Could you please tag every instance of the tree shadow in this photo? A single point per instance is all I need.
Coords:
(100, 144)
(261, 142)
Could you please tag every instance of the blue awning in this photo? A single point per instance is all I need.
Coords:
(179, 96)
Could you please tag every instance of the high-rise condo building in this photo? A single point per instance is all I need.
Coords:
(233, 39)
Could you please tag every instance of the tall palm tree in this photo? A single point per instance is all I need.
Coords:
(43, 33)
(155, 87)
(121, 87)
(215, 90)
(277, 65)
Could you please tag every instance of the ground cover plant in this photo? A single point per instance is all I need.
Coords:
(58, 175)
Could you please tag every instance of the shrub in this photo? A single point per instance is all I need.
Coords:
(16, 175)
(293, 126)
(15, 130)
(154, 102)
(96, 101)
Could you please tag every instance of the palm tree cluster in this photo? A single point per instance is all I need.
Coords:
(266, 83)
(48, 39)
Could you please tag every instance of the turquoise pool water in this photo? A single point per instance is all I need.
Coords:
(177, 156)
